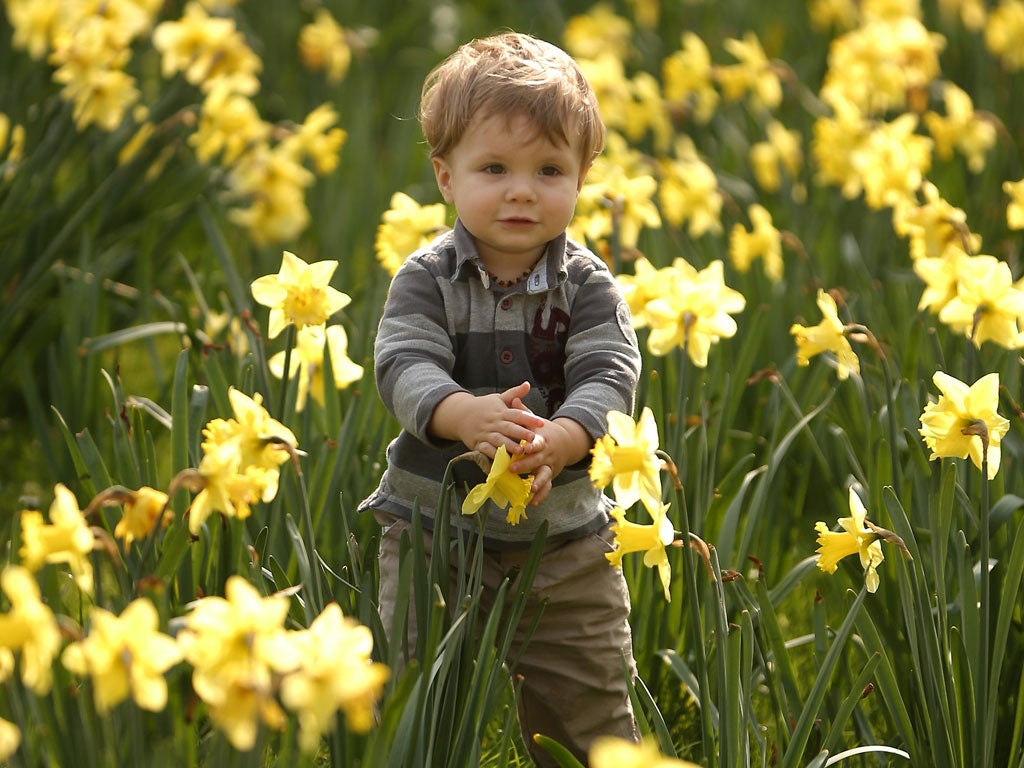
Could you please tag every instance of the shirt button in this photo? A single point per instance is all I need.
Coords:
(506, 356)
(506, 303)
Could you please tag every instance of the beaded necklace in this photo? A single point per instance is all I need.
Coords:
(508, 283)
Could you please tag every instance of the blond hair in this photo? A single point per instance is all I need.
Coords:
(510, 74)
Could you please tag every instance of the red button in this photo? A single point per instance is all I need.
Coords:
(507, 356)
(505, 303)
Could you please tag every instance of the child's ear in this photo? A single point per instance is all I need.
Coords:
(443, 174)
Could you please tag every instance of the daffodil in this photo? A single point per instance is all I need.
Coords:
(650, 538)
(10, 739)
(299, 294)
(125, 655)
(323, 44)
(269, 184)
(1015, 208)
(235, 644)
(335, 672)
(143, 510)
(689, 191)
(988, 305)
(762, 241)
(240, 460)
(961, 129)
(827, 336)
(29, 628)
(65, 539)
(854, 539)
(308, 362)
(753, 74)
(405, 227)
(627, 457)
(504, 488)
(693, 311)
(687, 74)
(964, 422)
(615, 752)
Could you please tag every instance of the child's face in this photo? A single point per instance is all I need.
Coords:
(512, 188)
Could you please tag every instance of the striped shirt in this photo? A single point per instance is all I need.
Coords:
(448, 328)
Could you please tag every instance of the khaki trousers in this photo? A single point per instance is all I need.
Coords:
(573, 681)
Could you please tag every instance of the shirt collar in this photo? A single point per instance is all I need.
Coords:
(550, 270)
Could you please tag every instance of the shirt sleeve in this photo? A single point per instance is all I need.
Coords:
(413, 351)
(602, 365)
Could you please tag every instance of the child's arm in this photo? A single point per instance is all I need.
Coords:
(486, 422)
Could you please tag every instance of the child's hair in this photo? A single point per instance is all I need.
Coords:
(510, 74)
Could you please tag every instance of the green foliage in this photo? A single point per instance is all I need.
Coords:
(112, 276)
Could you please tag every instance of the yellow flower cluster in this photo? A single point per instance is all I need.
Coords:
(682, 306)
(406, 227)
(627, 458)
(243, 660)
(300, 294)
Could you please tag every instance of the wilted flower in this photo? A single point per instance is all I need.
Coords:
(299, 294)
(627, 457)
(125, 655)
(854, 539)
(504, 488)
(964, 422)
(143, 509)
(827, 336)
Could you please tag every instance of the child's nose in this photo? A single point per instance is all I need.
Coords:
(520, 189)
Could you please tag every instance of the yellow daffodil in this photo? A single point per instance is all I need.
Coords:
(854, 539)
(639, 288)
(689, 192)
(28, 628)
(687, 74)
(893, 161)
(627, 457)
(504, 488)
(762, 241)
(651, 539)
(1015, 208)
(323, 44)
(125, 656)
(229, 124)
(615, 752)
(65, 539)
(600, 30)
(335, 672)
(780, 152)
(299, 294)
(234, 645)
(827, 336)
(308, 362)
(988, 305)
(317, 139)
(143, 509)
(693, 311)
(240, 460)
(406, 227)
(961, 129)
(753, 75)
(956, 424)
(10, 739)
(934, 226)
(1004, 29)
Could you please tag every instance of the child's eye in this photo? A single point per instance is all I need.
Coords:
(550, 170)
(494, 168)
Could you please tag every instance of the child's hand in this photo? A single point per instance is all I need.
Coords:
(557, 444)
(485, 423)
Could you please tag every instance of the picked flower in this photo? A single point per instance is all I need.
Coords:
(827, 336)
(856, 538)
(627, 457)
(125, 655)
(952, 425)
(504, 488)
(651, 539)
(299, 294)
